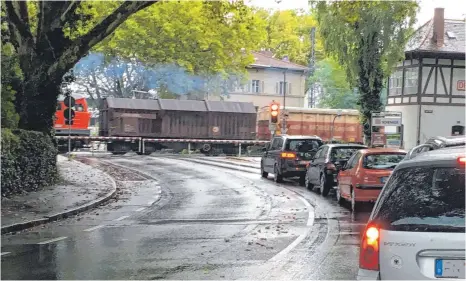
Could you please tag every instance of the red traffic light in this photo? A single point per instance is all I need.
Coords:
(274, 113)
(274, 107)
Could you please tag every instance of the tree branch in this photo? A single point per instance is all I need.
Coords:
(20, 32)
(83, 44)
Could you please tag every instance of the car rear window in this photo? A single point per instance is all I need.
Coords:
(382, 161)
(423, 199)
(304, 148)
(340, 153)
(303, 145)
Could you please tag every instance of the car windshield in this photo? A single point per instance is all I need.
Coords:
(342, 153)
(382, 161)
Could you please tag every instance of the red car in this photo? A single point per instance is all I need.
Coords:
(365, 173)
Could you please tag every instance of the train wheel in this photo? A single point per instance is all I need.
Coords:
(206, 148)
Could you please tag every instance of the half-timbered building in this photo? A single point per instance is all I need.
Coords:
(428, 87)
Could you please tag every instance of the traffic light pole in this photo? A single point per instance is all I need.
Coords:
(284, 103)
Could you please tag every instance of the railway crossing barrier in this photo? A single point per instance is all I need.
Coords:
(142, 141)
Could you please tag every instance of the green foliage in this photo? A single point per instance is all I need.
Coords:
(336, 91)
(11, 77)
(200, 36)
(367, 38)
(288, 33)
(28, 161)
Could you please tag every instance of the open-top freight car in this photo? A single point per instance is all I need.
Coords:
(176, 119)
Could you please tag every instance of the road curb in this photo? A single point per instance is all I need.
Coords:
(28, 224)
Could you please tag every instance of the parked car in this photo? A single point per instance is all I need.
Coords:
(436, 143)
(287, 156)
(323, 169)
(416, 229)
(365, 173)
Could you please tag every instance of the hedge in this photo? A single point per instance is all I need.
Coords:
(29, 161)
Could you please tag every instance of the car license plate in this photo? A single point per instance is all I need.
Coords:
(303, 162)
(383, 179)
(449, 268)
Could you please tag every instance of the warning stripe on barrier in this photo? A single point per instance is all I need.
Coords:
(207, 141)
(86, 138)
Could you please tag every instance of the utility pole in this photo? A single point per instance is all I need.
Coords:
(311, 97)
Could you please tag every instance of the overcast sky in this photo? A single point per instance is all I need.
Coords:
(454, 9)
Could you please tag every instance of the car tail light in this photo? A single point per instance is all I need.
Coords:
(369, 250)
(462, 160)
(288, 155)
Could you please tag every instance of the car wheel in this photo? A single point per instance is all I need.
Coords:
(354, 204)
(324, 187)
(302, 180)
(264, 174)
(276, 176)
(309, 185)
(340, 199)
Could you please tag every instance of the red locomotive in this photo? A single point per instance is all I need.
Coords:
(80, 126)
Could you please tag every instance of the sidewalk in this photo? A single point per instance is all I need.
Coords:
(82, 187)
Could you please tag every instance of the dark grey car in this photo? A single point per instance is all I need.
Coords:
(326, 163)
(288, 156)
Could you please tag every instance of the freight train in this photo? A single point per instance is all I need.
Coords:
(80, 126)
(337, 124)
(176, 119)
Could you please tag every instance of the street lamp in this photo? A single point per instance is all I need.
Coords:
(333, 123)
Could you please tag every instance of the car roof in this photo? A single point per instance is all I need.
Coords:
(299, 137)
(381, 150)
(437, 155)
(449, 140)
(336, 145)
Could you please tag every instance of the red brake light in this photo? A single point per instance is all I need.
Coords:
(288, 155)
(369, 250)
(462, 160)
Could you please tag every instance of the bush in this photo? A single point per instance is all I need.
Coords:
(29, 161)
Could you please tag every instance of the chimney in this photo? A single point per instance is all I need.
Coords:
(439, 27)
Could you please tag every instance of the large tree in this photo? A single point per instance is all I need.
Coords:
(288, 34)
(367, 38)
(335, 92)
(45, 38)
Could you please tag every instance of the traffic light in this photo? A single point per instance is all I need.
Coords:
(274, 110)
(69, 113)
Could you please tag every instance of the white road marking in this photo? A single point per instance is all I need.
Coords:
(310, 218)
(94, 228)
(121, 218)
(140, 209)
(52, 240)
(5, 253)
(348, 233)
(310, 222)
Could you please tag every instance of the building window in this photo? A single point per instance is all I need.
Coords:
(396, 83)
(411, 81)
(283, 89)
(255, 86)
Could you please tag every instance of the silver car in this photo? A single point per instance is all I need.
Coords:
(416, 230)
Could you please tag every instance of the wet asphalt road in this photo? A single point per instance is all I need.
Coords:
(176, 219)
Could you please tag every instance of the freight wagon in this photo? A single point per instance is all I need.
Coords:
(314, 121)
(176, 119)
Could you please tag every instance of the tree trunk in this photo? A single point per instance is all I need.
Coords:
(370, 81)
